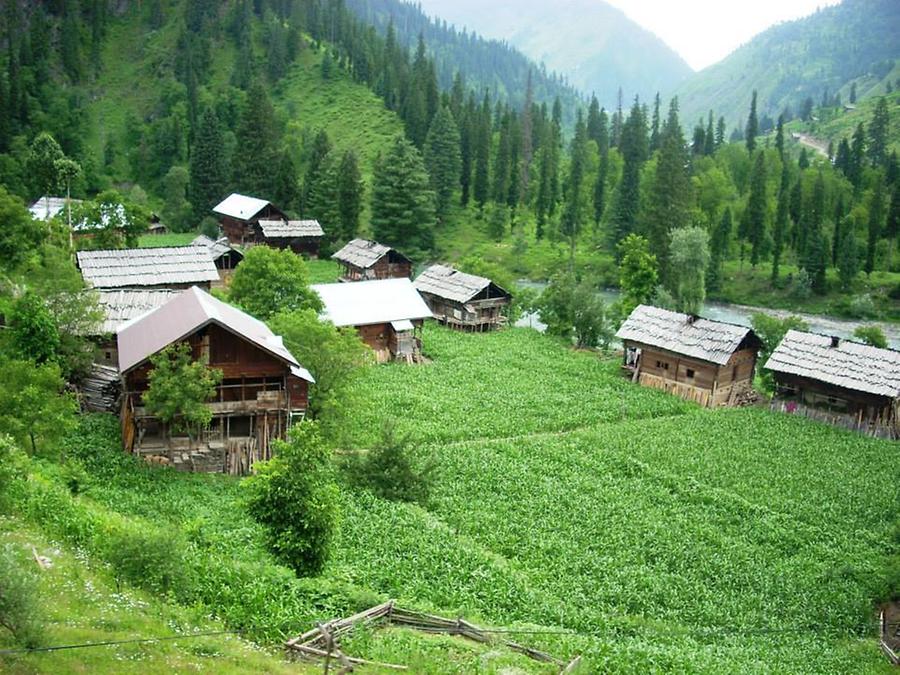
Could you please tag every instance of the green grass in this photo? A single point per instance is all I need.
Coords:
(323, 271)
(617, 522)
(168, 239)
(81, 602)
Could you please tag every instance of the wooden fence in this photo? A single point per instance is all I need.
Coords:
(858, 423)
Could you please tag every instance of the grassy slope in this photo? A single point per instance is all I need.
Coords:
(81, 602)
(639, 530)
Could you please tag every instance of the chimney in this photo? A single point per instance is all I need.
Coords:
(692, 318)
(835, 341)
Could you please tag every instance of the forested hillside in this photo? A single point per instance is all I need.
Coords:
(799, 60)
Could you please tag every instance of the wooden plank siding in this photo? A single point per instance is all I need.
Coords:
(243, 232)
(385, 268)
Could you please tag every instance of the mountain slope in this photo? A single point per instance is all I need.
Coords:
(593, 44)
(795, 60)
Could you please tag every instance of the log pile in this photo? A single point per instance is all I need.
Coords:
(100, 389)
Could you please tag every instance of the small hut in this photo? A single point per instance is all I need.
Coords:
(463, 301)
(842, 382)
(239, 214)
(701, 360)
(224, 256)
(263, 389)
(300, 236)
(387, 313)
(364, 260)
(172, 267)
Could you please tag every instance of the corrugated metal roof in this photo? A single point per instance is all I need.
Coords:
(241, 207)
(364, 253)
(851, 365)
(369, 302)
(216, 248)
(291, 228)
(46, 207)
(703, 339)
(120, 306)
(447, 282)
(136, 267)
(188, 311)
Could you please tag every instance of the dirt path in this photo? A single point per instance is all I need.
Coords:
(818, 145)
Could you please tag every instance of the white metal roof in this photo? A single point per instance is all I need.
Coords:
(369, 302)
(848, 364)
(190, 310)
(241, 207)
(46, 207)
(402, 325)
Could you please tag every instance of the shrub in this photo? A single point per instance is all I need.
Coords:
(871, 335)
(19, 606)
(389, 470)
(294, 496)
(863, 307)
(146, 557)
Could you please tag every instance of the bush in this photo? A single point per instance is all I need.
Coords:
(871, 335)
(146, 557)
(863, 307)
(294, 496)
(389, 470)
(19, 606)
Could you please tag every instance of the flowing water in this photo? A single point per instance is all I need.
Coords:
(741, 314)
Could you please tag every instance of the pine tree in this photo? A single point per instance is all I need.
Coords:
(402, 200)
(757, 209)
(848, 260)
(257, 138)
(618, 121)
(468, 134)
(442, 159)
(209, 180)
(857, 155)
(502, 162)
(718, 248)
(720, 133)
(710, 146)
(556, 142)
(654, 125)
(842, 159)
(600, 188)
(878, 134)
(594, 124)
(752, 126)
(838, 225)
(321, 199)
(70, 41)
(526, 145)
(349, 195)
(482, 153)
(780, 229)
(315, 171)
(287, 185)
(542, 202)
(876, 216)
(672, 195)
(634, 148)
(779, 137)
(573, 215)
(853, 93)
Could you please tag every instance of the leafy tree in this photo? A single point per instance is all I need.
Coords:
(19, 235)
(771, 331)
(336, 357)
(349, 195)
(442, 159)
(390, 470)
(271, 280)
(177, 211)
(179, 388)
(41, 164)
(638, 275)
(293, 495)
(876, 216)
(207, 165)
(573, 310)
(689, 257)
(402, 200)
(752, 126)
(34, 406)
(871, 335)
(257, 138)
(34, 332)
(757, 209)
(114, 222)
(20, 605)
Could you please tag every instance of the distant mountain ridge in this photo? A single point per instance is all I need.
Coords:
(593, 44)
(793, 61)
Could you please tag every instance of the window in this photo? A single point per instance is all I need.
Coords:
(690, 373)
(662, 365)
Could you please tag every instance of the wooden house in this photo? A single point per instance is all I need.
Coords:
(364, 260)
(303, 237)
(120, 306)
(239, 214)
(842, 382)
(262, 392)
(709, 362)
(387, 313)
(224, 257)
(173, 267)
(463, 301)
(47, 208)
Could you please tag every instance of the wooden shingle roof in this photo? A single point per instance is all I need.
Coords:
(703, 339)
(273, 229)
(140, 267)
(216, 248)
(842, 363)
(364, 253)
(446, 282)
(122, 305)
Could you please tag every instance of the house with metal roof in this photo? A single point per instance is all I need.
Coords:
(47, 208)
(172, 267)
(224, 256)
(463, 301)
(839, 381)
(363, 259)
(239, 213)
(262, 392)
(709, 362)
(388, 314)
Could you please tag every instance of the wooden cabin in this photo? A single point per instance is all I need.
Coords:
(364, 260)
(387, 313)
(303, 237)
(173, 267)
(463, 301)
(263, 390)
(709, 362)
(838, 381)
(239, 214)
(120, 306)
(224, 257)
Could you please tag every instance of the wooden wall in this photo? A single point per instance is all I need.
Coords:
(383, 269)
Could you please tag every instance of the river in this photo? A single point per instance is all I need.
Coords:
(741, 314)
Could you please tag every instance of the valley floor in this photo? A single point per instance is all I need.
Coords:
(594, 516)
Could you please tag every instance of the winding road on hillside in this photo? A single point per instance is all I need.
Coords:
(816, 144)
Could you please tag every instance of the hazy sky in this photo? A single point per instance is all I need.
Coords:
(705, 31)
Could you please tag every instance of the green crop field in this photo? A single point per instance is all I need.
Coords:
(600, 518)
